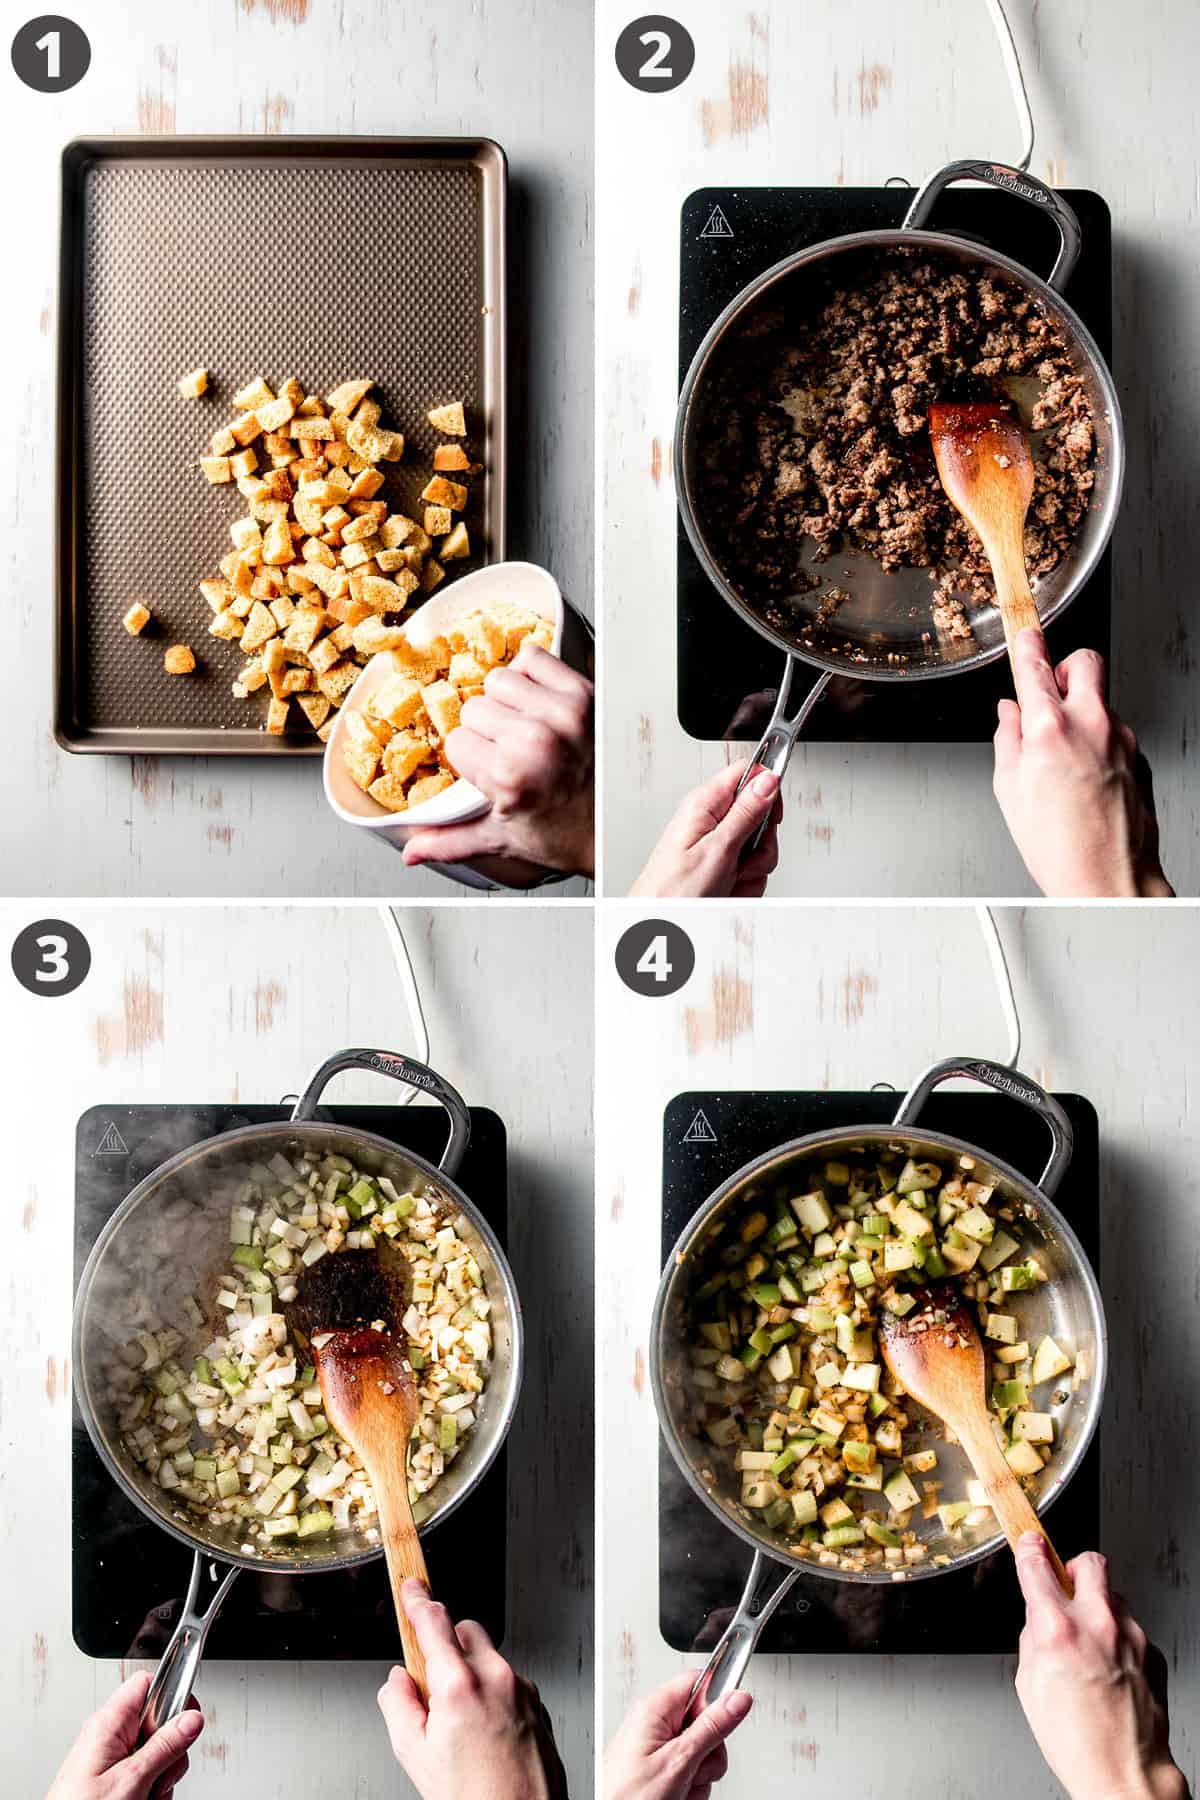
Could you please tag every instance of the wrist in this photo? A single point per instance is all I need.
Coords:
(1161, 1781)
(1155, 886)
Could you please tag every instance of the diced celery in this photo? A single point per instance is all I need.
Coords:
(841, 1535)
(247, 1256)
(447, 1432)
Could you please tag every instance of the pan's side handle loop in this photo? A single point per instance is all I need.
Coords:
(1005, 1081)
(766, 1585)
(412, 1074)
(775, 746)
(1013, 181)
(175, 1675)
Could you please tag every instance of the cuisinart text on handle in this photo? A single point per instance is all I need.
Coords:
(396, 1065)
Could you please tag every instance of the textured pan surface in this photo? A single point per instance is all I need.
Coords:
(325, 259)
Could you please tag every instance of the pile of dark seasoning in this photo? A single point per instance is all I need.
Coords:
(816, 436)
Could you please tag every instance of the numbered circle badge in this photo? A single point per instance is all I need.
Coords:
(51, 957)
(655, 957)
(51, 54)
(655, 54)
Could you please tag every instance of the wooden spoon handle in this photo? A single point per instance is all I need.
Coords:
(405, 1562)
(1017, 610)
(1007, 1497)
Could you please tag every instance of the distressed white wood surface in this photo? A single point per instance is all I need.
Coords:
(515, 70)
(852, 91)
(842, 999)
(230, 1004)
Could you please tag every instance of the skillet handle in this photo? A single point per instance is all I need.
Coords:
(775, 746)
(412, 1074)
(1013, 181)
(1005, 1081)
(176, 1673)
(765, 1587)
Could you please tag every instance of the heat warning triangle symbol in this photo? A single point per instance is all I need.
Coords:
(718, 225)
(111, 1144)
(700, 1131)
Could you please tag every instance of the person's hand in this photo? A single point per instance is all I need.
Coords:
(652, 1759)
(527, 743)
(481, 1717)
(1075, 794)
(1089, 1684)
(105, 1762)
(698, 855)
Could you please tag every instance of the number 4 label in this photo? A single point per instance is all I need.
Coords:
(655, 959)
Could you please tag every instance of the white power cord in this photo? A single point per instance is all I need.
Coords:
(412, 994)
(1004, 986)
(1016, 78)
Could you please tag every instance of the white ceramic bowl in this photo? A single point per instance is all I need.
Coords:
(518, 583)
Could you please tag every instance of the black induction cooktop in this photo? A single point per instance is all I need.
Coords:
(128, 1577)
(727, 675)
(701, 1565)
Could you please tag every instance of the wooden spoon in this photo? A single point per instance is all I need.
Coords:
(936, 1355)
(370, 1398)
(983, 459)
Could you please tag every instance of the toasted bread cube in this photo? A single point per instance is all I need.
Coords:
(295, 681)
(246, 429)
(217, 593)
(260, 626)
(361, 750)
(222, 442)
(274, 655)
(277, 544)
(314, 551)
(282, 610)
(278, 443)
(323, 655)
(252, 677)
(457, 544)
(315, 708)
(310, 429)
(465, 671)
(487, 640)
(438, 520)
(432, 575)
(360, 529)
(244, 463)
(334, 682)
(277, 717)
(336, 453)
(389, 793)
(216, 469)
(277, 484)
(425, 663)
(542, 634)
(304, 630)
(246, 534)
(193, 384)
(441, 492)
(273, 415)
(335, 518)
(419, 541)
(247, 398)
(429, 786)
(398, 701)
(450, 420)
(308, 514)
(396, 530)
(406, 582)
(241, 606)
(179, 660)
(355, 555)
(366, 485)
(136, 619)
(443, 706)
(453, 459)
(389, 560)
(367, 413)
(298, 580)
(372, 635)
(381, 595)
(291, 391)
(242, 580)
(375, 510)
(226, 625)
(342, 638)
(346, 397)
(404, 755)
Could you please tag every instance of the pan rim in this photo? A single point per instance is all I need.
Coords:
(894, 238)
(759, 1165)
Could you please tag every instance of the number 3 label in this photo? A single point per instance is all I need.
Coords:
(672, 54)
(51, 957)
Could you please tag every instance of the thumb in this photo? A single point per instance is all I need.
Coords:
(716, 1723)
(169, 1743)
(403, 1711)
(747, 810)
(1039, 1584)
(1033, 673)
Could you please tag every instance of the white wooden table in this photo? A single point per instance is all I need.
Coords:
(208, 1004)
(853, 92)
(515, 70)
(1110, 1003)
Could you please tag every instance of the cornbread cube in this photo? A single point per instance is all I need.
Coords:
(516, 636)
(487, 640)
(398, 701)
(324, 731)
(542, 634)
(453, 459)
(381, 595)
(423, 662)
(260, 626)
(443, 706)
(465, 671)
(346, 397)
(222, 441)
(404, 755)
(315, 708)
(361, 749)
(136, 619)
(277, 717)
(432, 574)
(450, 420)
(429, 786)
(355, 555)
(216, 469)
(179, 660)
(457, 544)
(388, 560)
(438, 520)
(246, 429)
(192, 385)
(441, 492)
